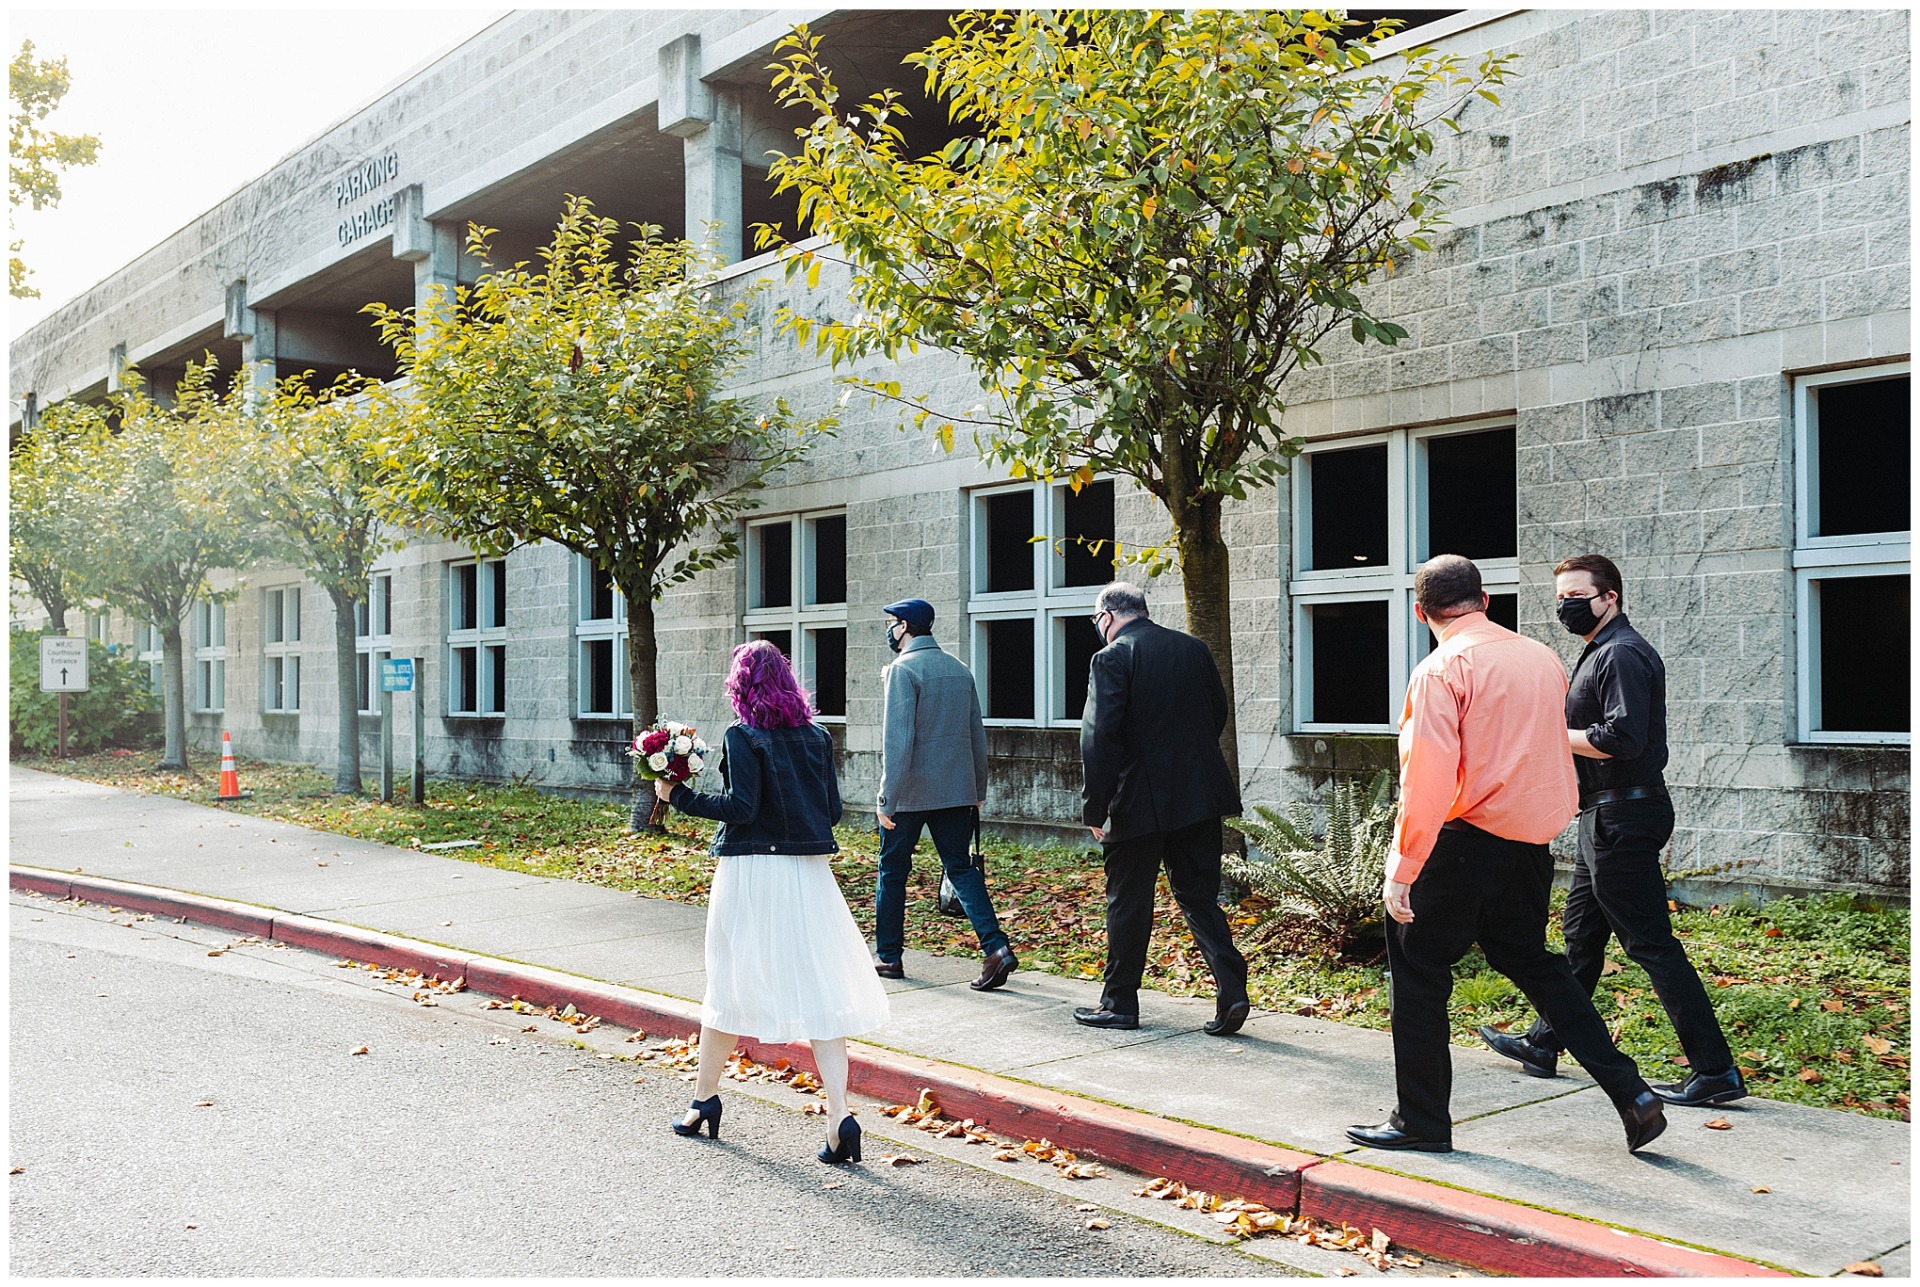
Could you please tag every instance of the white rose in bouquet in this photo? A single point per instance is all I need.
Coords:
(682, 745)
(696, 762)
(657, 761)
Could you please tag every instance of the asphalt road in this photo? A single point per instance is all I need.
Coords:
(179, 1113)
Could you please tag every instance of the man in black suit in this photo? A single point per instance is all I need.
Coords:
(1156, 789)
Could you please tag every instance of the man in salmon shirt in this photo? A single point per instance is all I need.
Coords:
(1486, 780)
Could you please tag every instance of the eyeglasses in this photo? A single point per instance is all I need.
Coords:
(1095, 618)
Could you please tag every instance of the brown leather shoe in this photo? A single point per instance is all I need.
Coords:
(995, 969)
(890, 969)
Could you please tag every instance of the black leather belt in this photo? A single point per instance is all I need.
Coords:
(1454, 824)
(1614, 795)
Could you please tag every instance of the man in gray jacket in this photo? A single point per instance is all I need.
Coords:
(933, 774)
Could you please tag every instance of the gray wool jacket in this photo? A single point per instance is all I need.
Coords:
(933, 746)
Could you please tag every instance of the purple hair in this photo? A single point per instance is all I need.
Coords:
(763, 689)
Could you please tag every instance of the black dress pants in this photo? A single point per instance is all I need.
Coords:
(1478, 887)
(1617, 889)
(1192, 859)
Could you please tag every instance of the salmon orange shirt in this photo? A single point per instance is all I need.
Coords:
(1483, 738)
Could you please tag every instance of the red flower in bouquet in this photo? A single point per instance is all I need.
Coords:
(669, 750)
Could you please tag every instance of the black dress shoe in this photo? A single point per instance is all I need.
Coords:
(1101, 1018)
(1228, 1021)
(995, 970)
(1702, 1089)
(1538, 1061)
(1644, 1120)
(890, 969)
(1389, 1135)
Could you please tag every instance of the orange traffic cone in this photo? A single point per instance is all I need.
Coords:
(229, 776)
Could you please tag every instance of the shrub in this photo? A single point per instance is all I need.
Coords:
(116, 709)
(1323, 889)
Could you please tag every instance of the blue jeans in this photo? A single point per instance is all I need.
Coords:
(952, 831)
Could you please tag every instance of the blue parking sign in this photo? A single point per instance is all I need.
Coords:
(396, 675)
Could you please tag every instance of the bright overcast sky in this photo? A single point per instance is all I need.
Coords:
(190, 105)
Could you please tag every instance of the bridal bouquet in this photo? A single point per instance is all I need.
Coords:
(669, 750)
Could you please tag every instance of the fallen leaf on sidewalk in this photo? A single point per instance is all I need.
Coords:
(1006, 1155)
(1345, 1272)
(498, 1041)
(1380, 1242)
(18, 1170)
(218, 951)
(1719, 1124)
(834, 1184)
(899, 1159)
(1761, 1188)
(205, 1103)
(1098, 1223)
(358, 1050)
(1087, 1206)
(1865, 1268)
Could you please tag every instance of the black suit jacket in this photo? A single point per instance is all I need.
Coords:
(1150, 735)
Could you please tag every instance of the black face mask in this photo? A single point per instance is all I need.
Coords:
(1577, 615)
(893, 641)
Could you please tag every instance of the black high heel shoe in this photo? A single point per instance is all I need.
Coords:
(848, 1149)
(709, 1110)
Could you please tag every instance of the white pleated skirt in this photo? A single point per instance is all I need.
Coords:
(785, 961)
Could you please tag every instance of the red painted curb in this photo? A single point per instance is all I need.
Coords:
(366, 945)
(58, 886)
(1503, 1236)
(217, 912)
(1486, 1232)
(1200, 1159)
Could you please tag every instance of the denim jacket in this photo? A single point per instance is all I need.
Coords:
(782, 795)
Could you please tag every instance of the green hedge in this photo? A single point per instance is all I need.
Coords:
(116, 710)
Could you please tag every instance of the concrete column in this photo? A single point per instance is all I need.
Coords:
(257, 333)
(116, 368)
(433, 248)
(707, 120)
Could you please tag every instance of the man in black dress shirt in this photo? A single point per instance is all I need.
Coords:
(1617, 729)
(1156, 789)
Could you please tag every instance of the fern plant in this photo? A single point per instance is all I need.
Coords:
(1328, 889)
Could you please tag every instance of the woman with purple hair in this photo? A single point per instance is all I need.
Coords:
(784, 959)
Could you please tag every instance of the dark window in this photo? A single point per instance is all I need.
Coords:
(1009, 544)
(1348, 500)
(599, 594)
(497, 674)
(383, 607)
(1863, 676)
(466, 684)
(781, 639)
(830, 559)
(364, 686)
(775, 589)
(1471, 508)
(1009, 668)
(1081, 642)
(1502, 610)
(497, 610)
(1349, 662)
(600, 675)
(1862, 447)
(466, 585)
(830, 671)
(1089, 521)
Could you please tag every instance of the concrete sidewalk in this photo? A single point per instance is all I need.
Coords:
(1836, 1185)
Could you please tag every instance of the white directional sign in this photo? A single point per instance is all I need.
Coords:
(63, 664)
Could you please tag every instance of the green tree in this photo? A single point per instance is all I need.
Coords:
(313, 466)
(149, 508)
(115, 710)
(582, 401)
(1149, 220)
(36, 532)
(36, 155)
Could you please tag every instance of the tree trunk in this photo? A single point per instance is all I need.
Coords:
(172, 698)
(1204, 567)
(346, 775)
(643, 655)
